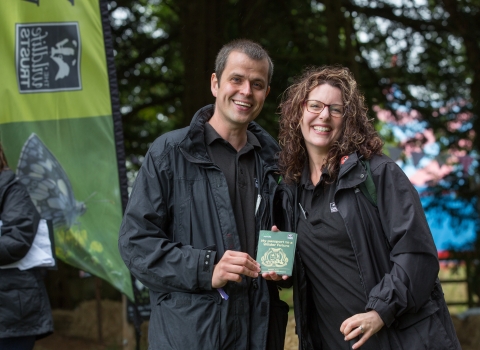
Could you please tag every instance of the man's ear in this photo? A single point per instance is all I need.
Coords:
(268, 91)
(214, 84)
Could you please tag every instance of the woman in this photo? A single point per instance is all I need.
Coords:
(25, 313)
(365, 273)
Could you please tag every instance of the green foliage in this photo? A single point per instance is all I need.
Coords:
(421, 50)
(415, 56)
(149, 68)
(157, 86)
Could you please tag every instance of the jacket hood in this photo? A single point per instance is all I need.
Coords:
(7, 178)
(347, 178)
(347, 163)
(194, 142)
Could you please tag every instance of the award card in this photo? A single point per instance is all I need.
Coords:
(276, 251)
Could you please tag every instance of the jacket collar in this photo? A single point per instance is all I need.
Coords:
(352, 172)
(193, 145)
(347, 163)
(305, 178)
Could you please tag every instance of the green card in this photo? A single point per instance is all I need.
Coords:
(276, 251)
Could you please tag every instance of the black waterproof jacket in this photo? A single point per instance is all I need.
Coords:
(24, 305)
(178, 223)
(396, 257)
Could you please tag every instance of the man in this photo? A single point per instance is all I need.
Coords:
(191, 225)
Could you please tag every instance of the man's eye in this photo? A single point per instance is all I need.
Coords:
(258, 85)
(236, 80)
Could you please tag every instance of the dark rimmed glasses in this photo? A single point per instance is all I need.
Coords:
(316, 107)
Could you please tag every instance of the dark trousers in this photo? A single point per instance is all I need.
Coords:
(18, 343)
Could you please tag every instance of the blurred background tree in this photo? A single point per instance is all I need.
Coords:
(419, 57)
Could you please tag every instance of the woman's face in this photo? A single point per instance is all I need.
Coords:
(320, 131)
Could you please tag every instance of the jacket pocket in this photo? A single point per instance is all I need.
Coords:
(183, 232)
(186, 321)
(428, 333)
(408, 320)
(18, 308)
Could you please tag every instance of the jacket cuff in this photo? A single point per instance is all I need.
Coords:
(206, 261)
(383, 309)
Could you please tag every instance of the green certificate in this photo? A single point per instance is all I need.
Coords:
(276, 251)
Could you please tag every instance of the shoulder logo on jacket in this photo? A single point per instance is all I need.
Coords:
(333, 207)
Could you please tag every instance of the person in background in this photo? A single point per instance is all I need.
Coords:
(190, 229)
(25, 313)
(365, 271)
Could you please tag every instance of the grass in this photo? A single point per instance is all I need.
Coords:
(454, 292)
(457, 291)
(286, 295)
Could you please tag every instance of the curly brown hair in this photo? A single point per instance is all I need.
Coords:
(358, 134)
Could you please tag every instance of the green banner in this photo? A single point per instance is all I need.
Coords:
(59, 127)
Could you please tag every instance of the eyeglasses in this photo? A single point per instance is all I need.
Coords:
(317, 107)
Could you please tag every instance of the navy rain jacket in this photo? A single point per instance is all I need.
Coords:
(396, 257)
(178, 223)
(24, 304)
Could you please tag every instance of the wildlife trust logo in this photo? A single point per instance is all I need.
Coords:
(274, 257)
(47, 57)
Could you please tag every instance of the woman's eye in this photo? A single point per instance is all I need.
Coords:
(338, 110)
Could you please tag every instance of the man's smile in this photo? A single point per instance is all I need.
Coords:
(240, 103)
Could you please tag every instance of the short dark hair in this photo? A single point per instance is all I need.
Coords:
(251, 49)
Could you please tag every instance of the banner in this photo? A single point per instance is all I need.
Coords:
(61, 129)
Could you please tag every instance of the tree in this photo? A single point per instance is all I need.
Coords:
(427, 63)
(165, 52)
(416, 56)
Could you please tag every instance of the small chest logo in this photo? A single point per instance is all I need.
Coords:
(333, 207)
(47, 57)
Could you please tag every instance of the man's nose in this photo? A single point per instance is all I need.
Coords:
(246, 89)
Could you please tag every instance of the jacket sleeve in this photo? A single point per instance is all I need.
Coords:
(413, 253)
(146, 240)
(282, 215)
(20, 221)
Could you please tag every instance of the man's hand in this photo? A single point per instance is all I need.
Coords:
(362, 325)
(272, 276)
(232, 266)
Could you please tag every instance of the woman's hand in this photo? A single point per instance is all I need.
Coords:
(361, 325)
(272, 276)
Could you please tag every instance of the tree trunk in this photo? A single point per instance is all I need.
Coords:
(201, 38)
(334, 22)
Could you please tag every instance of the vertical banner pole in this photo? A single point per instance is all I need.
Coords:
(60, 126)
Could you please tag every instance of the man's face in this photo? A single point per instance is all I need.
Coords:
(242, 90)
